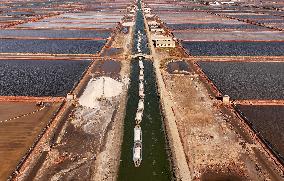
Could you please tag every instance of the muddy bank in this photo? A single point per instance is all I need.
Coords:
(210, 140)
(17, 135)
(79, 142)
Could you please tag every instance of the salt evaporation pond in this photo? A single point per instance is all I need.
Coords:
(56, 33)
(268, 121)
(51, 46)
(247, 80)
(187, 26)
(39, 77)
(215, 48)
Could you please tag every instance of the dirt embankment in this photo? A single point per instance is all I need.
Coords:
(87, 146)
(210, 141)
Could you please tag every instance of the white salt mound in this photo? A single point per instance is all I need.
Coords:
(103, 87)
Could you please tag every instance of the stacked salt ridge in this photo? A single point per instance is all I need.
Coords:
(103, 87)
(98, 102)
(137, 148)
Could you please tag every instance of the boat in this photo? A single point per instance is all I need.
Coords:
(138, 117)
(137, 154)
(141, 77)
(141, 105)
(141, 72)
(137, 134)
(141, 66)
(141, 94)
(141, 86)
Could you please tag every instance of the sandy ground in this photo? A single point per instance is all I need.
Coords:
(80, 141)
(88, 146)
(16, 136)
(91, 135)
(210, 141)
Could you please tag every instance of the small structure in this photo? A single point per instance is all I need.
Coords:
(226, 99)
(214, 3)
(149, 15)
(153, 23)
(163, 41)
(156, 29)
(147, 10)
(131, 9)
(227, 2)
(128, 24)
(71, 97)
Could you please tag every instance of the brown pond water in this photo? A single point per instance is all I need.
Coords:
(178, 67)
(112, 51)
(268, 121)
(109, 68)
(213, 176)
(17, 136)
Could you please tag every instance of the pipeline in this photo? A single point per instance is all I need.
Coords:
(23, 115)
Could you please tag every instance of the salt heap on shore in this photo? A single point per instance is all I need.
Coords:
(103, 87)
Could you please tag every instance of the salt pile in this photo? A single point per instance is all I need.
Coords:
(103, 87)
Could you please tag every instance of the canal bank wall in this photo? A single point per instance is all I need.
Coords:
(180, 166)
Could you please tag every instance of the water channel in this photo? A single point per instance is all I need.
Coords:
(155, 163)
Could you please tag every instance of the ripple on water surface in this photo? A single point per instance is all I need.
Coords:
(214, 48)
(268, 121)
(55, 33)
(51, 46)
(247, 80)
(39, 78)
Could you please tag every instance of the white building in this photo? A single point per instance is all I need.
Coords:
(156, 30)
(163, 41)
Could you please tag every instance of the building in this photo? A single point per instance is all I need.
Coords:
(128, 24)
(147, 10)
(71, 97)
(153, 23)
(131, 9)
(156, 29)
(226, 99)
(163, 41)
(149, 15)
